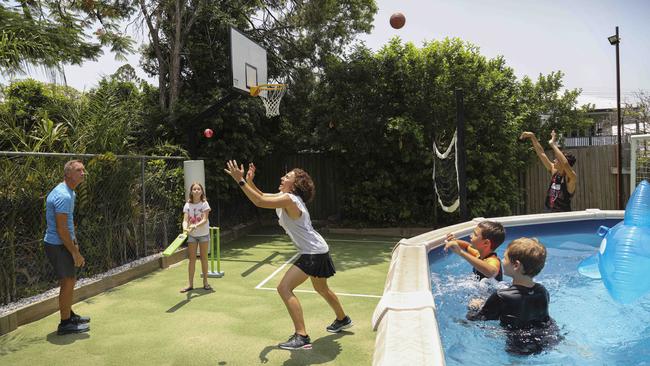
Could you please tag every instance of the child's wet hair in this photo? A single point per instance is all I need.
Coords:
(492, 231)
(530, 253)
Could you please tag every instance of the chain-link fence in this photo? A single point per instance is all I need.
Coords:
(129, 207)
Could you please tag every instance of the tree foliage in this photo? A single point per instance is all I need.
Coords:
(637, 111)
(189, 39)
(50, 33)
(376, 111)
(380, 112)
(50, 118)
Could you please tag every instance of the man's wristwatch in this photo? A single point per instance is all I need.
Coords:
(242, 182)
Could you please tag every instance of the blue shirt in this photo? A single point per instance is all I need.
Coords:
(59, 200)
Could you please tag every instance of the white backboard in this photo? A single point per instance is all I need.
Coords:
(248, 62)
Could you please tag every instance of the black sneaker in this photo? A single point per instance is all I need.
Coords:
(76, 318)
(339, 325)
(71, 327)
(296, 341)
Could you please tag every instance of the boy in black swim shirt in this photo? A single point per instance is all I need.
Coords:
(523, 307)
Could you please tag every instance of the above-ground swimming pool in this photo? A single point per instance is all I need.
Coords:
(595, 329)
(420, 319)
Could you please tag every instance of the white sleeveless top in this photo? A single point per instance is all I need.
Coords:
(303, 235)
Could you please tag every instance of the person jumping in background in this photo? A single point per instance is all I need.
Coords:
(563, 178)
(197, 225)
(296, 189)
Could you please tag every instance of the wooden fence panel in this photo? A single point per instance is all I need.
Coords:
(596, 170)
(595, 167)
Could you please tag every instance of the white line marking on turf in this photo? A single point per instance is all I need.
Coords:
(314, 292)
(278, 270)
(259, 287)
(329, 239)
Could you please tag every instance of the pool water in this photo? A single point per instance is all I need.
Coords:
(596, 330)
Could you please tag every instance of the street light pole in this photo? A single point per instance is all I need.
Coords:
(615, 40)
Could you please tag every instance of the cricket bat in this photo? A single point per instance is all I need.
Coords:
(180, 239)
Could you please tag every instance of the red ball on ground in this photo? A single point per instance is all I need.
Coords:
(397, 20)
(208, 133)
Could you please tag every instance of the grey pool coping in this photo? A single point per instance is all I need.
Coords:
(405, 321)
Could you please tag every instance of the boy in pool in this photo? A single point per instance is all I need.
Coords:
(521, 308)
(480, 252)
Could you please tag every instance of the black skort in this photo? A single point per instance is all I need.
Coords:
(316, 265)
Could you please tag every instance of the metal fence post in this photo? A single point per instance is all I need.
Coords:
(144, 211)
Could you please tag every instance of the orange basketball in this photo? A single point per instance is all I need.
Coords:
(397, 20)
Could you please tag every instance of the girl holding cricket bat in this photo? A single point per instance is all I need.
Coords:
(197, 227)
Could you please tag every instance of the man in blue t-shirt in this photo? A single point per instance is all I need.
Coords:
(61, 245)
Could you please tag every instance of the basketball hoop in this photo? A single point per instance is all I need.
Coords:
(271, 95)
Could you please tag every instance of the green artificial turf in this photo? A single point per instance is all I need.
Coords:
(148, 322)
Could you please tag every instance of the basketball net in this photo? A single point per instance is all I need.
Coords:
(271, 95)
(443, 156)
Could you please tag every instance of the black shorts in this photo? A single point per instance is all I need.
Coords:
(61, 260)
(316, 265)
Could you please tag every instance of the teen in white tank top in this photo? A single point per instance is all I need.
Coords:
(300, 230)
(314, 262)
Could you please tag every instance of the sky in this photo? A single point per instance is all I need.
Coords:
(534, 36)
(538, 36)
